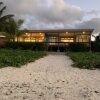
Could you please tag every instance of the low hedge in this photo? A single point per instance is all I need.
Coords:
(96, 46)
(77, 47)
(17, 58)
(86, 60)
(27, 46)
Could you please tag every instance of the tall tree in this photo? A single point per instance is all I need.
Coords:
(98, 38)
(13, 28)
(3, 19)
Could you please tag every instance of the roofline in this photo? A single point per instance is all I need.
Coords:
(62, 30)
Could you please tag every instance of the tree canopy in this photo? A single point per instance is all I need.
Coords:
(4, 19)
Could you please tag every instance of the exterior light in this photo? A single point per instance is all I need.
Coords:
(84, 32)
(66, 32)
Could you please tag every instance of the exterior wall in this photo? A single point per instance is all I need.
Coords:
(3, 41)
(53, 38)
(31, 37)
(69, 37)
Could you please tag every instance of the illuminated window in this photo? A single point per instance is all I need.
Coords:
(52, 40)
(32, 37)
(67, 40)
(27, 39)
(82, 38)
(66, 34)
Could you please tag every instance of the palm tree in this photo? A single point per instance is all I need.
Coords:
(3, 19)
(13, 28)
(18, 31)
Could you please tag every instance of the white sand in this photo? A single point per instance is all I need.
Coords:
(49, 78)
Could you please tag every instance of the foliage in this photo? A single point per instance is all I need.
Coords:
(3, 19)
(76, 47)
(13, 28)
(85, 60)
(8, 24)
(27, 46)
(96, 44)
(16, 58)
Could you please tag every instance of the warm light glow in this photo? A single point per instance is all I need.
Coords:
(33, 37)
(84, 32)
(82, 38)
(67, 40)
(52, 39)
(66, 32)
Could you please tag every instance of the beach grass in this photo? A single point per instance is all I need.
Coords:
(16, 58)
(85, 60)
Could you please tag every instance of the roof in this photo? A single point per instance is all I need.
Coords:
(61, 30)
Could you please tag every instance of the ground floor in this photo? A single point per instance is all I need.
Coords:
(49, 78)
(56, 37)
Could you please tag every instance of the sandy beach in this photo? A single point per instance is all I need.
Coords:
(49, 78)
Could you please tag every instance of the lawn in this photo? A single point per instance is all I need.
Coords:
(85, 60)
(16, 58)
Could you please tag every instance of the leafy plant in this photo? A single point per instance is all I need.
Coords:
(3, 18)
(96, 44)
(86, 60)
(16, 58)
(27, 46)
(76, 47)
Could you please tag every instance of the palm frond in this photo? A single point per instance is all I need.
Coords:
(2, 10)
(5, 17)
(1, 3)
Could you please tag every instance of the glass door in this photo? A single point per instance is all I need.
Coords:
(52, 40)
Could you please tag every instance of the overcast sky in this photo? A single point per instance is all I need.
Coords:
(54, 14)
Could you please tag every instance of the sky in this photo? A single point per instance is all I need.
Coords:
(56, 14)
(87, 5)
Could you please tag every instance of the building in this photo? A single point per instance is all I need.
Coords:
(3, 40)
(58, 37)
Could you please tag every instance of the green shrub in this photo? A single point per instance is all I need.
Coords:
(27, 46)
(96, 46)
(77, 47)
(85, 60)
(16, 58)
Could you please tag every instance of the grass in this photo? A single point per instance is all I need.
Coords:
(85, 60)
(16, 58)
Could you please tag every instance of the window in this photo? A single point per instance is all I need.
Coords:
(52, 40)
(82, 38)
(33, 37)
(67, 39)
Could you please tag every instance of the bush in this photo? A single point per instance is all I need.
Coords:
(27, 46)
(77, 47)
(86, 60)
(96, 45)
(16, 58)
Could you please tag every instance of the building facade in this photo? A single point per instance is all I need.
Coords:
(55, 37)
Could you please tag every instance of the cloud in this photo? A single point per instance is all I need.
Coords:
(45, 13)
(93, 12)
(93, 23)
(51, 14)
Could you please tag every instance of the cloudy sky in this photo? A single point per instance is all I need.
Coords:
(54, 14)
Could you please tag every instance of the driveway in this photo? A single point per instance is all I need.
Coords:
(49, 78)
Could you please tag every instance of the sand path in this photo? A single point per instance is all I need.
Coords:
(49, 78)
